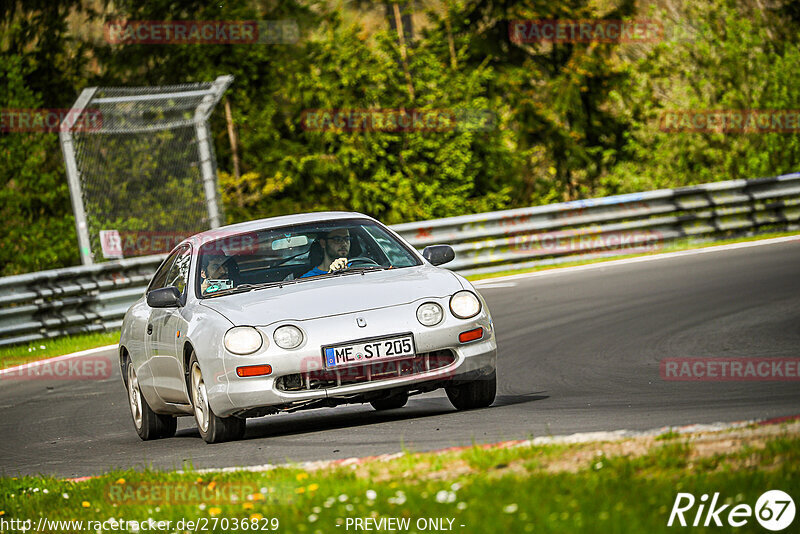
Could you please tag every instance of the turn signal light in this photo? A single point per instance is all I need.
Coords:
(470, 335)
(253, 370)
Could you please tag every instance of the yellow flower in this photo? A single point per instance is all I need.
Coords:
(120, 481)
(257, 497)
(301, 476)
(85, 504)
(256, 517)
(214, 511)
(2, 512)
(248, 506)
(199, 479)
(300, 490)
(313, 487)
(212, 485)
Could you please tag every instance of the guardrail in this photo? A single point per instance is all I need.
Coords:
(94, 298)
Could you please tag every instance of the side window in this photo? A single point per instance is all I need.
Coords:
(160, 278)
(178, 273)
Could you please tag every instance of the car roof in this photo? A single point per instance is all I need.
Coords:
(275, 222)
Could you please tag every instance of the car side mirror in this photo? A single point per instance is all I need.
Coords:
(439, 254)
(165, 297)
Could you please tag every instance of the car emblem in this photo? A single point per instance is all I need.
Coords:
(361, 322)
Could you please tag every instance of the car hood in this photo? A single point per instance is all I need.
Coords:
(333, 296)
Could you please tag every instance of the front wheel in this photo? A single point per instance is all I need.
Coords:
(213, 429)
(149, 424)
(476, 394)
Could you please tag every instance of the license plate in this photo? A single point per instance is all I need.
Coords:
(368, 351)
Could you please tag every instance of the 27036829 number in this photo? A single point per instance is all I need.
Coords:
(254, 524)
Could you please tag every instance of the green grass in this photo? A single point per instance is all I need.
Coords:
(495, 490)
(47, 348)
(682, 244)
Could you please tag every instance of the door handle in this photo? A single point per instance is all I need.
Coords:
(149, 329)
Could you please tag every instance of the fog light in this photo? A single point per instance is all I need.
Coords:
(470, 335)
(253, 370)
(430, 314)
(288, 337)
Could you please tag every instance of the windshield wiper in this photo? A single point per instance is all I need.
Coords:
(365, 268)
(250, 287)
(279, 283)
(361, 269)
(231, 290)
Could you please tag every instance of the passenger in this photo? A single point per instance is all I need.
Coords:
(215, 271)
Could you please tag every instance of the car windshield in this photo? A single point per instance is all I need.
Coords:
(299, 253)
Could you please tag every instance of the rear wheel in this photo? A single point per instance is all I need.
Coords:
(149, 425)
(213, 429)
(476, 394)
(396, 401)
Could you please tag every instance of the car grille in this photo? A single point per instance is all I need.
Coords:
(359, 374)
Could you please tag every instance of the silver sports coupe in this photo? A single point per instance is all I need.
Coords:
(299, 312)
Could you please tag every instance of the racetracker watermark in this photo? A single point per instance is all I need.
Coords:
(569, 242)
(50, 120)
(202, 32)
(191, 493)
(731, 121)
(774, 510)
(77, 368)
(585, 31)
(730, 369)
(117, 244)
(397, 120)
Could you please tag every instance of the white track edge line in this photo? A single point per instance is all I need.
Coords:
(654, 257)
(46, 361)
(579, 437)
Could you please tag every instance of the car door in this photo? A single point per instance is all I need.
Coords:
(164, 330)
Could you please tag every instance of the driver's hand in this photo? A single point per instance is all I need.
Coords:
(338, 265)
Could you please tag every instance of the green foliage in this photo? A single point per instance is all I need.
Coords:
(730, 59)
(38, 228)
(569, 120)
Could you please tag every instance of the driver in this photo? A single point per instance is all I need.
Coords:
(335, 247)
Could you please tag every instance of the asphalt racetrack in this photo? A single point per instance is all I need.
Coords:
(579, 350)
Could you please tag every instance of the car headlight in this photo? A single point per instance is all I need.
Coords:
(430, 314)
(288, 337)
(243, 340)
(465, 304)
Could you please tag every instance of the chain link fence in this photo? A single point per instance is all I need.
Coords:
(141, 167)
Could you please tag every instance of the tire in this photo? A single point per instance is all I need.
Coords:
(149, 425)
(212, 428)
(393, 402)
(476, 394)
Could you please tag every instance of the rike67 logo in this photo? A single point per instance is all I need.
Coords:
(774, 510)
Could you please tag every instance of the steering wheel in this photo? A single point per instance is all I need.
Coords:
(362, 260)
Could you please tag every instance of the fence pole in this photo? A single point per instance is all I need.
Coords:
(73, 178)
(204, 147)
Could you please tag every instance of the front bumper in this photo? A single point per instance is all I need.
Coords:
(231, 394)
